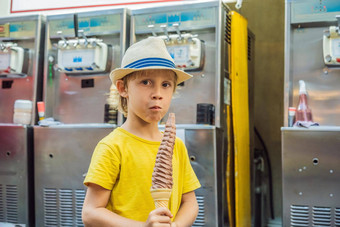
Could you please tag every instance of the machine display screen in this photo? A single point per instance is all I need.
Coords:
(5, 61)
(78, 58)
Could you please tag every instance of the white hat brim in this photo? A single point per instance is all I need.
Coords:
(119, 73)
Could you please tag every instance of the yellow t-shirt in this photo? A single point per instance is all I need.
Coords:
(123, 163)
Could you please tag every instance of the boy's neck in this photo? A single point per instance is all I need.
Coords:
(142, 129)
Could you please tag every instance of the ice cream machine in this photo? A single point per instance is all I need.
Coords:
(312, 55)
(21, 54)
(21, 49)
(81, 50)
(196, 36)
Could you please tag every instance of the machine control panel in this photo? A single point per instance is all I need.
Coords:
(76, 56)
(187, 20)
(104, 24)
(314, 10)
(186, 50)
(12, 60)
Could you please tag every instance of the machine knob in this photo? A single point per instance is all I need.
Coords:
(328, 58)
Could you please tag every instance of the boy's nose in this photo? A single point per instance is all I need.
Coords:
(157, 93)
(157, 96)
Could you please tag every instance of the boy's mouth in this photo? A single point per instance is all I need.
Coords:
(155, 107)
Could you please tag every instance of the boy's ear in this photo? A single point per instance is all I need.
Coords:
(121, 88)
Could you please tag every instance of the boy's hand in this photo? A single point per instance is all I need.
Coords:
(159, 217)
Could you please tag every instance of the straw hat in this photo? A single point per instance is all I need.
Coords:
(150, 53)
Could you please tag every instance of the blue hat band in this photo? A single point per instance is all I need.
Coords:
(150, 62)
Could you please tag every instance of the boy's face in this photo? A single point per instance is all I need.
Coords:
(149, 95)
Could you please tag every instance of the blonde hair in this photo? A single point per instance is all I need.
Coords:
(122, 103)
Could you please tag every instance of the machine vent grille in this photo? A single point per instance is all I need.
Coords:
(249, 48)
(337, 216)
(66, 207)
(63, 207)
(2, 218)
(227, 35)
(80, 196)
(299, 215)
(200, 219)
(322, 216)
(50, 207)
(12, 203)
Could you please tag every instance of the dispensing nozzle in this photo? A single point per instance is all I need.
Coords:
(76, 43)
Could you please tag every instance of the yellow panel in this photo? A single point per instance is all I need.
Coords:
(230, 170)
(240, 116)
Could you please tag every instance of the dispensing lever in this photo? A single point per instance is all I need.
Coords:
(2, 46)
(338, 19)
(164, 27)
(178, 31)
(84, 36)
(60, 33)
(152, 27)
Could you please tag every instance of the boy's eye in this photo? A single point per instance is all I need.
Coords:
(145, 82)
(166, 84)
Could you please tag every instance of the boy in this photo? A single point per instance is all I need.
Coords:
(120, 173)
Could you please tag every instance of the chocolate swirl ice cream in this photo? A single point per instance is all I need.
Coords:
(162, 172)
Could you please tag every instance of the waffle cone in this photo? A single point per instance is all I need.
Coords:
(161, 197)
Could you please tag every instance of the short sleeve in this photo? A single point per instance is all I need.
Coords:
(104, 167)
(191, 182)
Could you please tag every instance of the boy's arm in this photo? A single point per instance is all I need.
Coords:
(95, 214)
(187, 212)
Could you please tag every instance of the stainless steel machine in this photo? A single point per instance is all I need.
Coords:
(196, 35)
(21, 50)
(309, 155)
(81, 50)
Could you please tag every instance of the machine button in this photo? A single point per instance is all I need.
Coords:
(69, 69)
(79, 68)
(338, 60)
(89, 68)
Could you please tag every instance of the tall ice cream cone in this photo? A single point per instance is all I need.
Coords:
(162, 173)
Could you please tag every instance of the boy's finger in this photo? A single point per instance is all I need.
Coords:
(163, 211)
(163, 219)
